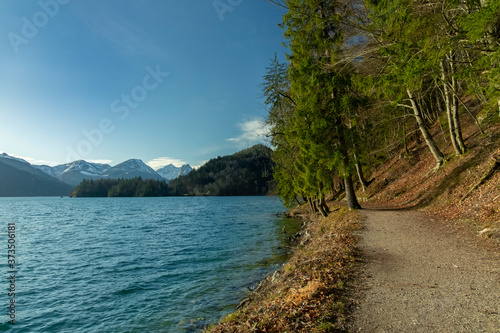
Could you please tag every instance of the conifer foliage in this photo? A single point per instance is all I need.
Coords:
(363, 76)
(134, 187)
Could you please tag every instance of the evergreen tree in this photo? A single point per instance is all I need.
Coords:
(323, 95)
(482, 46)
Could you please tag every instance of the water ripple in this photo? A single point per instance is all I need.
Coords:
(136, 264)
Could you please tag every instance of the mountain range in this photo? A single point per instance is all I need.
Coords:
(248, 172)
(20, 178)
(170, 171)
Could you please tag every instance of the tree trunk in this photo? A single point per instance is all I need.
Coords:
(341, 185)
(438, 155)
(417, 136)
(312, 205)
(404, 139)
(447, 101)
(454, 111)
(324, 205)
(321, 202)
(359, 170)
(352, 201)
(321, 209)
(458, 125)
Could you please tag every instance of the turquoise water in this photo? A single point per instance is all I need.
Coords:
(135, 264)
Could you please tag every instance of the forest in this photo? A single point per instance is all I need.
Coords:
(248, 172)
(362, 79)
(134, 187)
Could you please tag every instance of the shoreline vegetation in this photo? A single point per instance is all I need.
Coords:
(407, 97)
(314, 291)
(310, 292)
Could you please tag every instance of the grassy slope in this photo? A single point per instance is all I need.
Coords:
(309, 294)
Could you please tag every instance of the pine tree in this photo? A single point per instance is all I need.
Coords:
(322, 93)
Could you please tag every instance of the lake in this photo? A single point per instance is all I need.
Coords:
(172, 264)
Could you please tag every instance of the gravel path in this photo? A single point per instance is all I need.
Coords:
(419, 276)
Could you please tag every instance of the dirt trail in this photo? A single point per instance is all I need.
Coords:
(420, 276)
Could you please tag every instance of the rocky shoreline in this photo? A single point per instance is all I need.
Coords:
(309, 293)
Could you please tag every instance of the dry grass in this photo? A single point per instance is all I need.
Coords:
(308, 293)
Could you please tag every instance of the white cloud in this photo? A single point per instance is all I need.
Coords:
(100, 161)
(254, 131)
(160, 162)
(34, 161)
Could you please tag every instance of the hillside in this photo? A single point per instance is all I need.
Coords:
(408, 181)
(422, 254)
(124, 187)
(248, 172)
(18, 179)
(436, 240)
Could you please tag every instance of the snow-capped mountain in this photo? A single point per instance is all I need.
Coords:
(47, 169)
(73, 173)
(87, 168)
(185, 169)
(170, 171)
(130, 169)
(4, 155)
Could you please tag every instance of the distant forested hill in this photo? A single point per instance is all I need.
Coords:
(135, 187)
(248, 172)
(20, 179)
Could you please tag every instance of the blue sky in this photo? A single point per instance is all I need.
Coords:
(108, 80)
